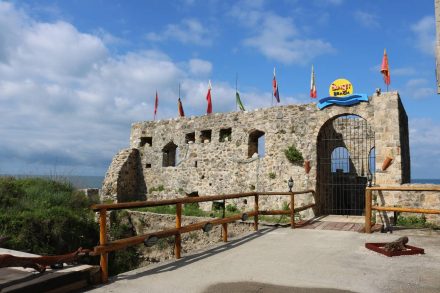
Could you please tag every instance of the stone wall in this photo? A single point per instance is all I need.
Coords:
(124, 180)
(223, 164)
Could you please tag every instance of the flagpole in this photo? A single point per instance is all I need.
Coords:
(179, 90)
(236, 91)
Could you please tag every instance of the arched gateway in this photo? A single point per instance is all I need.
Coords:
(344, 158)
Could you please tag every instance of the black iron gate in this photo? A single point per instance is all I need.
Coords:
(345, 156)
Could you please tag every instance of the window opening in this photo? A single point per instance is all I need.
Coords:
(146, 140)
(205, 135)
(169, 155)
(190, 137)
(225, 134)
(256, 144)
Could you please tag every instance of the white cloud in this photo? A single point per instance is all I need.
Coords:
(67, 104)
(277, 37)
(418, 88)
(368, 20)
(188, 31)
(200, 67)
(424, 140)
(424, 31)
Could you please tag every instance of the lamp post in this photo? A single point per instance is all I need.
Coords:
(369, 179)
(290, 184)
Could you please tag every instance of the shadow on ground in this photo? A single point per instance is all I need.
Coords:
(253, 287)
(191, 258)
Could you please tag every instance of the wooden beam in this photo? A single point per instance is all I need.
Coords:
(177, 237)
(405, 210)
(404, 188)
(152, 203)
(102, 241)
(292, 211)
(368, 203)
(256, 213)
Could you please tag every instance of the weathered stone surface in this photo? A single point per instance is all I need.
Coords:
(223, 164)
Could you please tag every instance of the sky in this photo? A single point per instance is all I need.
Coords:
(75, 74)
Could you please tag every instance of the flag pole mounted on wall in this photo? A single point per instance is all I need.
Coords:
(156, 104)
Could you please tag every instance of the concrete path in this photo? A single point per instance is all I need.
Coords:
(285, 260)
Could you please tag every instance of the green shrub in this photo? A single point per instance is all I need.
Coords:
(232, 208)
(272, 175)
(45, 217)
(293, 155)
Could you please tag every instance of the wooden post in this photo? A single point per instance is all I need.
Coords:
(225, 232)
(292, 210)
(368, 210)
(256, 213)
(177, 237)
(102, 242)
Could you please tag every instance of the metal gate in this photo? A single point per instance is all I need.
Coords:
(345, 156)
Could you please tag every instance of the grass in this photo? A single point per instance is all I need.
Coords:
(45, 217)
(415, 222)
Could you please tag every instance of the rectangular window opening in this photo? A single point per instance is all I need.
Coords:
(146, 140)
(190, 137)
(205, 135)
(225, 134)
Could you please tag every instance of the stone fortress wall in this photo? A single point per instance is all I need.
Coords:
(216, 154)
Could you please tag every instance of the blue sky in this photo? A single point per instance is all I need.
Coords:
(74, 75)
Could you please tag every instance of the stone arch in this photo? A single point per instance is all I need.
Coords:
(343, 139)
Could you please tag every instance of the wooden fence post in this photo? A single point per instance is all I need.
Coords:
(368, 203)
(256, 213)
(177, 237)
(225, 232)
(102, 241)
(292, 210)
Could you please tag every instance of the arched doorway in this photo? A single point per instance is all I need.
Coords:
(344, 157)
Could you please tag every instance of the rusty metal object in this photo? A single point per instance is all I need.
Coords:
(395, 248)
(41, 262)
(397, 245)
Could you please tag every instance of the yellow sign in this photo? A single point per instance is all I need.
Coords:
(341, 87)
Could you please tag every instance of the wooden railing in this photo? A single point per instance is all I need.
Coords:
(369, 204)
(105, 247)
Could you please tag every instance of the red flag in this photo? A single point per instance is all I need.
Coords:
(384, 69)
(156, 104)
(208, 98)
(313, 85)
(276, 94)
(180, 108)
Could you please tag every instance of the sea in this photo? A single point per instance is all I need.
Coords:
(81, 182)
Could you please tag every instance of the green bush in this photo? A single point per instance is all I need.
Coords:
(45, 217)
(231, 208)
(293, 155)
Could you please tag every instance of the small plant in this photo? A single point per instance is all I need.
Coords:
(231, 208)
(252, 187)
(285, 206)
(158, 188)
(272, 175)
(294, 155)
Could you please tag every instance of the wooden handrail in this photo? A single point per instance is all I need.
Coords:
(404, 188)
(405, 210)
(153, 203)
(105, 247)
(369, 207)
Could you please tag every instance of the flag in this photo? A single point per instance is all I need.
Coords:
(384, 69)
(238, 100)
(208, 98)
(156, 104)
(180, 108)
(276, 94)
(312, 84)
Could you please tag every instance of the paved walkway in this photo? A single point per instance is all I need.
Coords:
(286, 260)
